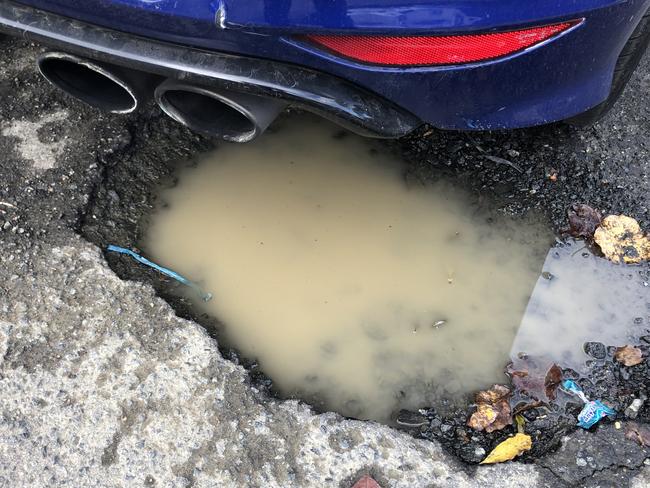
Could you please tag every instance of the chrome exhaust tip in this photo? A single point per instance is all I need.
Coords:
(232, 116)
(99, 85)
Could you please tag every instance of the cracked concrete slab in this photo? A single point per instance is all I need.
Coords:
(103, 384)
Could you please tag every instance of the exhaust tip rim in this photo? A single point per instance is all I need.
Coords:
(80, 94)
(169, 108)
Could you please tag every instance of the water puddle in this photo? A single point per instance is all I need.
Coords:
(365, 294)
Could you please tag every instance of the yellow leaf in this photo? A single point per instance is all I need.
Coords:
(621, 239)
(509, 449)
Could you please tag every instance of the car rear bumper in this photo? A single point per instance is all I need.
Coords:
(321, 93)
(250, 51)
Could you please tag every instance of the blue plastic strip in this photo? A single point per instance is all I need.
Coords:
(205, 296)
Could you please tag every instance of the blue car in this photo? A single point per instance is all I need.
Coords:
(378, 67)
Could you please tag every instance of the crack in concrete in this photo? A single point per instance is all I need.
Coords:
(631, 468)
(557, 481)
(127, 420)
(593, 471)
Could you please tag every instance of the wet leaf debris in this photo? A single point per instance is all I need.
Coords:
(619, 237)
(583, 220)
(629, 355)
(622, 241)
(607, 388)
(492, 409)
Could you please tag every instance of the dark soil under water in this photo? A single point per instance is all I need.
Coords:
(577, 297)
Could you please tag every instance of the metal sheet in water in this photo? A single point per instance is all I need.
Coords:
(579, 298)
(349, 286)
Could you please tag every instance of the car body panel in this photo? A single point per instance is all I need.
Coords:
(548, 82)
(197, 17)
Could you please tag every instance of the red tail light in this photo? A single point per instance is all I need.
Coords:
(435, 50)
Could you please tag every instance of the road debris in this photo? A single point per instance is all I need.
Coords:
(628, 355)
(520, 422)
(509, 449)
(512, 447)
(205, 296)
(498, 160)
(593, 410)
(547, 276)
(552, 381)
(406, 418)
(492, 409)
(621, 240)
(583, 220)
(639, 433)
(633, 408)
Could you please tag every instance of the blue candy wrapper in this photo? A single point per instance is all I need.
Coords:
(593, 411)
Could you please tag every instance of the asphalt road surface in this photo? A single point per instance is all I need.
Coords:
(103, 384)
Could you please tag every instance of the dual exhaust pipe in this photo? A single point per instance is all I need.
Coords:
(226, 114)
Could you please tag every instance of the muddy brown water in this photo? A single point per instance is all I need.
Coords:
(353, 288)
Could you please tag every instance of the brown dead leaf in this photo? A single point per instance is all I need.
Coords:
(484, 416)
(536, 380)
(552, 380)
(629, 355)
(622, 240)
(583, 220)
(639, 433)
(493, 395)
(492, 409)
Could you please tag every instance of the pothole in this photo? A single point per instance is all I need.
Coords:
(350, 287)
(366, 293)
